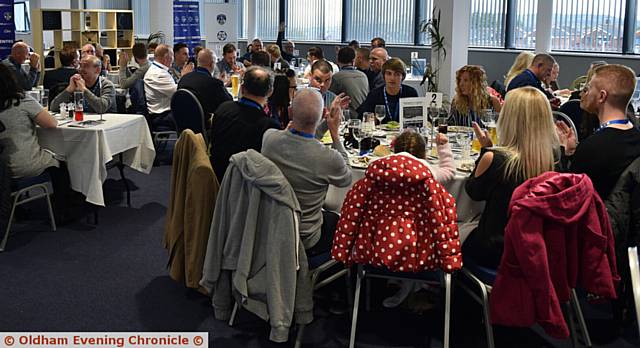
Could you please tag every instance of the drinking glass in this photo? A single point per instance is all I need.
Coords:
(380, 112)
(235, 85)
(346, 116)
(78, 98)
(44, 100)
(355, 128)
(488, 117)
(464, 141)
(369, 125)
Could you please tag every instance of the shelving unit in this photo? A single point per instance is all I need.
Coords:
(113, 29)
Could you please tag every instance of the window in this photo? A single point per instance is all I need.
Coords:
(595, 25)
(524, 35)
(21, 16)
(266, 19)
(487, 23)
(636, 31)
(314, 20)
(394, 20)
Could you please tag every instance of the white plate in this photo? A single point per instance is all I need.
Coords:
(359, 162)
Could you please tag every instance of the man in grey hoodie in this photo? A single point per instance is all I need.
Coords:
(309, 166)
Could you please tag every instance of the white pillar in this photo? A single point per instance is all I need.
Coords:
(252, 9)
(454, 27)
(161, 18)
(544, 21)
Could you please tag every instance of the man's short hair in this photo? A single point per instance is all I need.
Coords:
(542, 58)
(378, 41)
(258, 81)
(139, 51)
(68, 55)
(323, 66)
(364, 52)
(346, 55)
(619, 81)
(261, 58)
(94, 60)
(152, 45)
(316, 52)
(354, 44)
(228, 48)
(177, 47)
(306, 107)
(274, 50)
(395, 64)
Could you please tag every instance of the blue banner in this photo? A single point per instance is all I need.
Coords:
(7, 28)
(186, 23)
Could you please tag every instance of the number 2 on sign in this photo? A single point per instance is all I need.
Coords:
(434, 100)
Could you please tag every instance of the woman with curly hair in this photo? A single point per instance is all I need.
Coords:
(471, 96)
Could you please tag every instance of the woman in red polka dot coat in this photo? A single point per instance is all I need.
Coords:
(399, 217)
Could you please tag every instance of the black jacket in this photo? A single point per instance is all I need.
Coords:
(5, 191)
(623, 206)
(209, 90)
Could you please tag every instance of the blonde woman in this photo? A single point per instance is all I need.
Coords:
(522, 62)
(525, 149)
(471, 96)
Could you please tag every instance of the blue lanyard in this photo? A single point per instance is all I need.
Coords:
(608, 123)
(302, 134)
(250, 103)
(386, 104)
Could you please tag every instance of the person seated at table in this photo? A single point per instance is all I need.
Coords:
(580, 81)
(209, 90)
(616, 143)
(539, 70)
(99, 93)
(377, 42)
(276, 57)
(255, 46)
(239, 126)
(412, 144)
(349, 80)
(520, 154)
(20, 114)
(105, 59)
(309, 166)
(471, 96)
(280, 99)
(354, 44)
(390, 93)
(228, 65)
(87, 50)
(159, 87)
(585, 122)
(313, 55)
(128, 77)
(69, 58)
(19, 54)
(377, 58)
(261, 58)
(521, 63)
(180, 65)
(288, 47)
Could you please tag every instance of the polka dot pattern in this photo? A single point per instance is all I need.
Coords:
(399, 217)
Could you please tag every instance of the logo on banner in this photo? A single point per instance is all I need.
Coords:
(8, 16)
(222, 35)
(222, 19)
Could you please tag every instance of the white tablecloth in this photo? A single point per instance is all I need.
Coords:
(87, 150)
(468, 210)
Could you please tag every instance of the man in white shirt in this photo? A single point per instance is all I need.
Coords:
(159, 87)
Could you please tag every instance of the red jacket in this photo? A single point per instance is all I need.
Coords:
(558, 234)
(398, 217)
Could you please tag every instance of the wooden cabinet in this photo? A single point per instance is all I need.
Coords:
(113, 29)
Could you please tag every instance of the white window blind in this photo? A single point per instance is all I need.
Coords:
(525, 26)
(392, 20)
(314, 20)
(487, 23)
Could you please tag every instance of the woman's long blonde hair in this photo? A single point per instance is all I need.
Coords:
(523, 61)
(479, 98)
(526, 131)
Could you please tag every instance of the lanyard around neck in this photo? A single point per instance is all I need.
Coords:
(608, 123)
(396, 113)
(301, 133)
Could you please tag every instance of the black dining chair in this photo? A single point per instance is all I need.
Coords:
(188, 113)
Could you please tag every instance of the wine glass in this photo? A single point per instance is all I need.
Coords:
(380, 112)
(346, 116)
(355, 127)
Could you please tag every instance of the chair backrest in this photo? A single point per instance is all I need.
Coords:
(560, 116)
(138, 98)
(634, 266)
(55, 90)
(188, 113)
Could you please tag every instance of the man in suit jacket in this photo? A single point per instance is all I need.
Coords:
(209, 90)
(69, 58)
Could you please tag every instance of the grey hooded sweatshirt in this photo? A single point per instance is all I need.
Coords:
(254, 252)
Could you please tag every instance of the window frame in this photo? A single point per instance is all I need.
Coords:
(26, 14)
